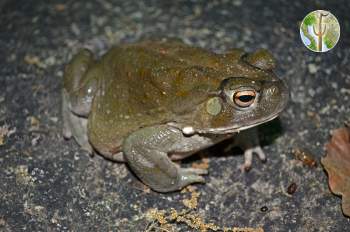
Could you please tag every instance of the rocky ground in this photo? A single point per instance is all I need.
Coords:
(49, 184)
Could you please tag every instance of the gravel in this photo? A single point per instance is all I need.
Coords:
(49, 184)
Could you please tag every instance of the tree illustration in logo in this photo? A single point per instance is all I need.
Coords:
(320, 31)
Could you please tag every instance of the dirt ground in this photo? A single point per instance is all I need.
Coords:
(50, 184)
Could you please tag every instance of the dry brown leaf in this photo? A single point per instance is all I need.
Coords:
(337, 164)
(204, 164)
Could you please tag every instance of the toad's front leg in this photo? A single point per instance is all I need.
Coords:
(146, 151)
(248, 141)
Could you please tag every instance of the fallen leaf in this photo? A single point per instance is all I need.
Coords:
(204, 164)
(337, 164)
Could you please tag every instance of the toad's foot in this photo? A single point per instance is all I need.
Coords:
(191, 175)
(248, 141)
(248, 157)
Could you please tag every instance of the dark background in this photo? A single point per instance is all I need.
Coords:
(49, 184)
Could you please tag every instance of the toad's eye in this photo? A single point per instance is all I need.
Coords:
(244, 98)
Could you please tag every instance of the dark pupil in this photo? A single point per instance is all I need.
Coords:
(246, 98)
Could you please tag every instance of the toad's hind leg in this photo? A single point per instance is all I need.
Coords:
(76, 126)
(146, 151)
(80, 83)
(78, 89)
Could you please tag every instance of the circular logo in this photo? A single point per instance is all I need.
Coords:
(320, 31)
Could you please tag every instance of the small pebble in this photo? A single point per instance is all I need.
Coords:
(305, 156)
(312, 68)
(292, 188)
(264, 209)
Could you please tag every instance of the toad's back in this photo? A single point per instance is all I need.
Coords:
(144, 84)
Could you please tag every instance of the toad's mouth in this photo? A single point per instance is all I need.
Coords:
(235, 129)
